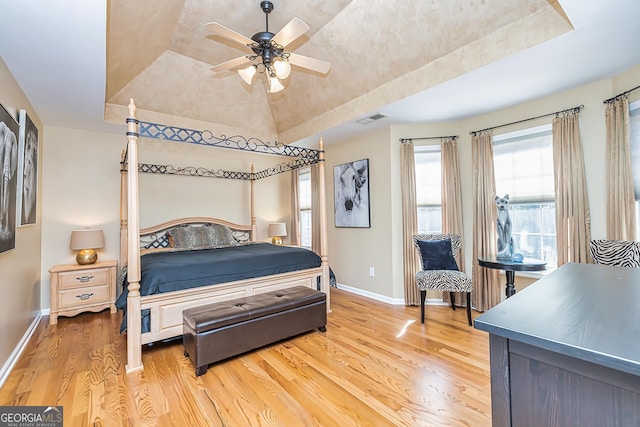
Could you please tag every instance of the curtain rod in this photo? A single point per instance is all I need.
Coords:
(403, 140)
(575, 109)
(621, 95)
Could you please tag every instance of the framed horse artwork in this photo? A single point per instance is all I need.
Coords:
(351, 194)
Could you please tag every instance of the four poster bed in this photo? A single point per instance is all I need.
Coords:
(177, 265)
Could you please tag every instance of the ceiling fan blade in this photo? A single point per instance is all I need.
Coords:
(230, 64)
(309, 63)
(294, 29)
(223, 31)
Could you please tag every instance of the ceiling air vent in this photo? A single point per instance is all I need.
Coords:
(371, 119)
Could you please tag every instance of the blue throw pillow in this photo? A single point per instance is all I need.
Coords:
(437, 255)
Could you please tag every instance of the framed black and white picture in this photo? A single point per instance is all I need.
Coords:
(8, 169)
(27, 170)
(351, 193)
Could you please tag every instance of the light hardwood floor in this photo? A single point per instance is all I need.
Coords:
(375, 366)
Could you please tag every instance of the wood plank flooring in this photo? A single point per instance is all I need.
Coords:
(375, 366)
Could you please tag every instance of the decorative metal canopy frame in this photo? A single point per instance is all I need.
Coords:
(301, 157)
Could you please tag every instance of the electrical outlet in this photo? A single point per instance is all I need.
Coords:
(372, 271)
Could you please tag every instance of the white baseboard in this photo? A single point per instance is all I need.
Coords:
(383, 298)
(13, 358)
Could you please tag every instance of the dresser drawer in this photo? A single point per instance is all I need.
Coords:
(82, 297)
(84, 278)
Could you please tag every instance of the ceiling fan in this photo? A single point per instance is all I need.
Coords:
(268, 54)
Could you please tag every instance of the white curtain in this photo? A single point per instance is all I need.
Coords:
(452, 201)
(315, 210)
(409, 222)
(486, 285)
(573, 220)
(295, 209)
(621, 215)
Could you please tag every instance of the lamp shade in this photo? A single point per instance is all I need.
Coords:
(87, 239)
(277, 229)
(247, 74)
(282, 69)
(274, 84)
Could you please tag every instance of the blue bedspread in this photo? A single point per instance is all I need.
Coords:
(172, 271)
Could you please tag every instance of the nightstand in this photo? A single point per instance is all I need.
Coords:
(78, 288)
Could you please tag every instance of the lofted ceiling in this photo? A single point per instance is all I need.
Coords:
(79, 62)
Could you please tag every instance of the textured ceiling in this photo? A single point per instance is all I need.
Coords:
(381, 51)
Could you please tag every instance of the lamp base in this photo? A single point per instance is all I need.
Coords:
(86, 257)
(277, 240)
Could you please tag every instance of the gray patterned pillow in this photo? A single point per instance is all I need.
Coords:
(186, 238)
(218, 235)
(201, 237)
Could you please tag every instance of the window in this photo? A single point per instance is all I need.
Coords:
(523, 164)
(429, 188)
(634, 134)
(304, 188)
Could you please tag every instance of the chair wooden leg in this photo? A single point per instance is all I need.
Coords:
(452, 297)
(469, 308)
(423, 296)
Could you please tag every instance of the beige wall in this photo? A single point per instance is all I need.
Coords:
(165, 197)
(82, 189)
(20, 267)
(352, 251)
(372, 245)
(79, 186)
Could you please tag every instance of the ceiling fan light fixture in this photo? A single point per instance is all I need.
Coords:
(247, 74)
(282, 68)
(268, 54)
(274, 84)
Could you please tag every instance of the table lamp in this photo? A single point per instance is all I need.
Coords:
(86, 242)
(277, 231)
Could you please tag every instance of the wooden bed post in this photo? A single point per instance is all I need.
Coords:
(134, 329)
(323, 227)
(254, 226)
(123, 212)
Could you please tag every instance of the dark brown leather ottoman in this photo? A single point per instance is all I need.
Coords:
(228, 328)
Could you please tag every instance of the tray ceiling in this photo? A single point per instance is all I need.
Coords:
(381, 51)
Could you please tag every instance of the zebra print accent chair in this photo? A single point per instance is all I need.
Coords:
(620, 253)
(442, 280)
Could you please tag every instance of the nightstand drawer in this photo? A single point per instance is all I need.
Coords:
(85, 296)
(84, 278)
